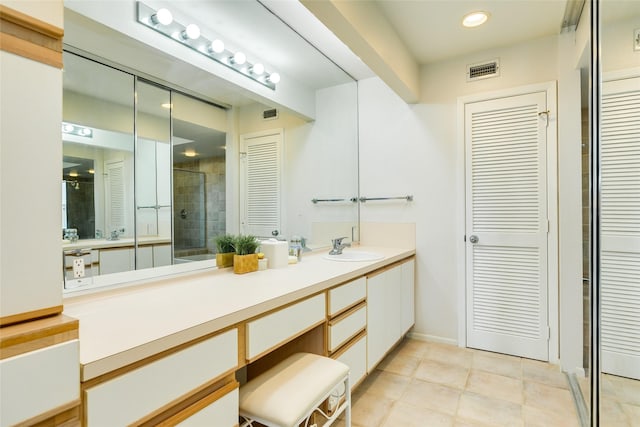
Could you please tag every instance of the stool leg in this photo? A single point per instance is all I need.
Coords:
(347, 418)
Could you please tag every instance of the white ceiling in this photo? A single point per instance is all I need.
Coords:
(432, 29)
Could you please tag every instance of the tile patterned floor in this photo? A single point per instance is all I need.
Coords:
(431, 385)
(620, 405)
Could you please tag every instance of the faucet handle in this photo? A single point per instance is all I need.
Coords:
(337, 241)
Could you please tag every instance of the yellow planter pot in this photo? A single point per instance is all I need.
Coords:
(245, 263)
(224, 260)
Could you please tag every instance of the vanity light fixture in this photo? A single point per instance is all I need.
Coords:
(475, 19)
(238, 58)
(273, 78)
(257, 69)
(162, 16)
(216, 46)
(191, 32)
(162, 21)
(71, 129)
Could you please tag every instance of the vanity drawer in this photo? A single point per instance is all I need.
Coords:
(355, 357)
(276, 328)
(39, 382)
(343, 328)
(132, 396)
(347, 295)
(216, 411)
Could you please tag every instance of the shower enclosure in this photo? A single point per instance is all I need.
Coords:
(189, 223)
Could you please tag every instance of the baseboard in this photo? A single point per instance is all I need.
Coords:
(432, 338)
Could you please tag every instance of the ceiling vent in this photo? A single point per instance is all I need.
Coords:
(483, 70)
(271, 114)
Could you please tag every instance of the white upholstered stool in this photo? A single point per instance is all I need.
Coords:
(290, 392)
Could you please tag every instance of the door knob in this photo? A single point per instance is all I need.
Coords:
(474, 239)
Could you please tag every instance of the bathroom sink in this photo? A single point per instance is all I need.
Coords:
(355, 256)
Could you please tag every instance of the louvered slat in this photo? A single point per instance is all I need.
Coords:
(116, 195)
(620, 228)
(504, 162)
(263, 185)
(506, 290)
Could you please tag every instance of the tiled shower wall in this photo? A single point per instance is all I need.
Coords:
(200, 239)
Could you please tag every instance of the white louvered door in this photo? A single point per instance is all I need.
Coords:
(260, 184)
(620, 227)
(506, 225)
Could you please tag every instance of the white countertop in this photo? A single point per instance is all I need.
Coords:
(122, 326)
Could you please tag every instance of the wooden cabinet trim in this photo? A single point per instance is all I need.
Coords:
(199, 405)
(190, 404)
(353, 341)
(347, 311)
(30, 37)
(25, 337)
(56, 416)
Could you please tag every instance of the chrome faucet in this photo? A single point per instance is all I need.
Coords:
(115, 234)
(338, 246)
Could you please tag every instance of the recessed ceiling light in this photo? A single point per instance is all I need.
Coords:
(474, 19)
(190, 152)
(166, 105)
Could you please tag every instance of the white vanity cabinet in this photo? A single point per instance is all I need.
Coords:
(143, 394)
(274, 329)
(389, 309)
(116, 260)
(347, 324)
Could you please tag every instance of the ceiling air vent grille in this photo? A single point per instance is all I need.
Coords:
(271, 114)
(483, 70)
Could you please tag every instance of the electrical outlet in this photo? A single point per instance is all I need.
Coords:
(78, 268)
(636, 39)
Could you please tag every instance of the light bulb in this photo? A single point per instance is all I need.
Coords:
(239, 58)
(217, 46)
(162, 16)
(257, 69)
(474, 19)
(85, 132)
(191, 32)
(274, 78)
(67, 127)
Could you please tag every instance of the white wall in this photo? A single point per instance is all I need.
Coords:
(320, 161)
(415, 149)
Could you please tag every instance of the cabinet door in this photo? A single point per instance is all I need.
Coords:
(116, 260)
(161, 255)
(407, 318)
(144, 257)
(384, 301)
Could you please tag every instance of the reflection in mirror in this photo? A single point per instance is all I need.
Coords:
(199, 177)
(620, 213)
(170, 178)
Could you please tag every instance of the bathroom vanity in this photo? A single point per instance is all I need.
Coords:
(174, 351)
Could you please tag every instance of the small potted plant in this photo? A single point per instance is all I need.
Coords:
(225, 250)
(246, 259)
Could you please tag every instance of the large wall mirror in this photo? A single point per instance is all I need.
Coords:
(619, 234)
(156, 168)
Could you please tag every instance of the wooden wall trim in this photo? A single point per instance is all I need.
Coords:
(30, 37)
(68, 415)
(29, 315)
(30, 336)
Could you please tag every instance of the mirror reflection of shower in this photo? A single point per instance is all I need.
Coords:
(199, 178)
